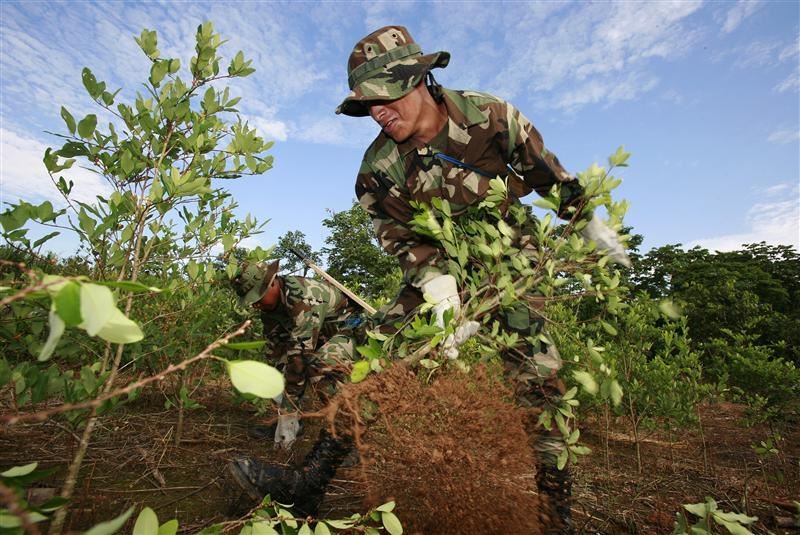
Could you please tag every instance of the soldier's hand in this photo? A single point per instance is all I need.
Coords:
(464, 332)
(606, 239)
(442, 291)
(287, 430)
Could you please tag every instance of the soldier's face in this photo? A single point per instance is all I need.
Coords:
(400, 119)
(271, 297)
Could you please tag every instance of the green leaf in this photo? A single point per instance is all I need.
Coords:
(97, 306)
(87, 125)
(227, 242)
(192, 269)
(89, 81)
(320, 529)
(370, 351)
(68, 303)
(545, 203)
(168, 528)
(619, 158)
(391, 523)
(697, 509)
(146, 523)
(261, 528)
(148, 41)
(561, 462)
(56, 331)
(256, 344)
(607, 327)
(428, 364)
(43, 239)
(387, 507)
(340, 524)
(112, 526)
(288, 517)
(135, 287)
(733, 527)
(257, 378)
(69, 119)
(734, 517)
(616, 392)
(10, 520)
(86, 222)
(158, 71)
(18, 471)
(669, 309)
(126, 162)
(586, 380)
(120, 329)
(360, 371)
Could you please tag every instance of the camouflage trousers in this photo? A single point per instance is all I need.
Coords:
(323, 370)
(531, 371)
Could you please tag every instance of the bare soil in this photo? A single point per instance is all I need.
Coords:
(453, 455)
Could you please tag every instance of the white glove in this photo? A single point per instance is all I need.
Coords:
(286, 430)
(606, 239)
(463, 333)
(443, 291)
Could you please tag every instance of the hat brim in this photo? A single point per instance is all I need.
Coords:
(394, 81)
(256, 294)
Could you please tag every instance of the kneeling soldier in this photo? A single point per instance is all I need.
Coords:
(309, 327)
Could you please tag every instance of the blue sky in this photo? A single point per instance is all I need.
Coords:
(704, 94)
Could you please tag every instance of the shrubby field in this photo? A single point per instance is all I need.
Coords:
(128, 376)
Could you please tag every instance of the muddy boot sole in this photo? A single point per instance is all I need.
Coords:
(261, 432)
(239, 475)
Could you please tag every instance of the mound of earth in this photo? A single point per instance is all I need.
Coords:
(453, 454)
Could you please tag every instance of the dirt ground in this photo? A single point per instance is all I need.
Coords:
(134, 460)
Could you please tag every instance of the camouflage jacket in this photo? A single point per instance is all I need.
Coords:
(483, 132)
(309, 313)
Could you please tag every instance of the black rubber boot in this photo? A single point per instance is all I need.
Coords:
(555, 488)
(303, 486)
(267, 432)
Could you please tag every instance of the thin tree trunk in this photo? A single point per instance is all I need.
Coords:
(671, 449)
(638, 447)
(635, 425)
(72, 474)
(706, 464)
(179, 426)
(606, 412)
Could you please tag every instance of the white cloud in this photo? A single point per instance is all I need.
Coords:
(778, 189)
(591, 53)
(775, 221)
(758, 54)
(25, 177)
(791, 50)
(606, 91)
(792, 82)
(270, 129)
(738, 13)
(782, 137)
(345, 131)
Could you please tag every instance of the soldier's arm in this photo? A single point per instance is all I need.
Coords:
(420, 261)
(306, 320)
(527, 155)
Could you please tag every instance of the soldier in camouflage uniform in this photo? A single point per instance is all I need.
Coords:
(437, 142)
(309, 328)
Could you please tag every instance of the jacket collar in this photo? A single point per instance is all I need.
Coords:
(461, 111)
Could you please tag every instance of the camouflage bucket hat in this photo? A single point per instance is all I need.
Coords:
(252, 281)
(386, 65)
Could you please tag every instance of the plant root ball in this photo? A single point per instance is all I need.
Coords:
(454, 454)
